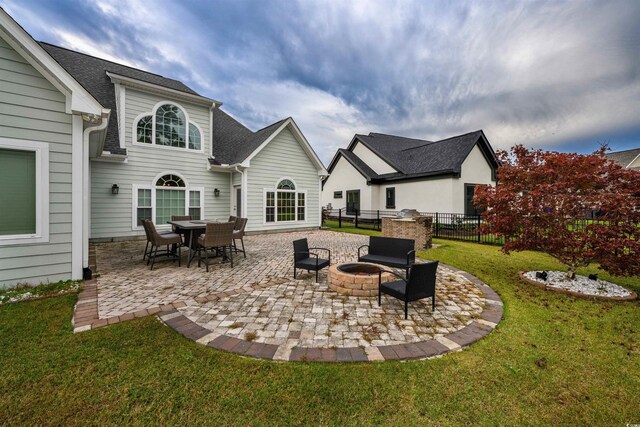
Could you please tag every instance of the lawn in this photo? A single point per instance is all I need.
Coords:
(553, 360)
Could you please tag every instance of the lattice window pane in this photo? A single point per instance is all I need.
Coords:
(194, 205)
(168, 203)
(144, 130)
(170, 126)
(286, 206)
(18, 201)
(170, 181)
(194, 137)
(301, 206)
(286, 184)
(144, 205)
(270, 210)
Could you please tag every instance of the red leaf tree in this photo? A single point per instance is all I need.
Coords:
(541, 199)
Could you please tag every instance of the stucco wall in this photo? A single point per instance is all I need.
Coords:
(378, 165)
(475, 170)
(345, 177)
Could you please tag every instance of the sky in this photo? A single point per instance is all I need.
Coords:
(554, 75)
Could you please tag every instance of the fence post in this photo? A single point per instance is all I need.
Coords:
(340, 218)
(378, 220)
(437, 225)
(356, 223)
(479, 233)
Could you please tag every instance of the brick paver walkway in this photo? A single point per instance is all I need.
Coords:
(258, 309)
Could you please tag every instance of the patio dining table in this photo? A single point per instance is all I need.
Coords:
(194, 228)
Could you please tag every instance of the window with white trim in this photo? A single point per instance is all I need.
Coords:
(168, 126)
(168, 196)
(24, 205)
(284, 203)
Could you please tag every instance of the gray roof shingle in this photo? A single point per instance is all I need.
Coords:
(624, 158)
(91, 73)
(415, 158)
(233, 141)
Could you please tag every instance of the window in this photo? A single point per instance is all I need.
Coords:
(353, 202)
(168, 196)
(284, 203)
(469, 208)
(391, 198)
(24, 205)
(168, 127)
(337, 194)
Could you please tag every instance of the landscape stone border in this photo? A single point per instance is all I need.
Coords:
(631, 297)
(456, 341)
(86, 318)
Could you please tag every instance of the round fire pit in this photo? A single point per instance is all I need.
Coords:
(359, 279)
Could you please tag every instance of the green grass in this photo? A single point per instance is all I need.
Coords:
(349, 228)
(26, 291)
(554, 360)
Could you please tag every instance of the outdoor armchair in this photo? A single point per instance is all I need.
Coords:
(420, 284)
(304, 259)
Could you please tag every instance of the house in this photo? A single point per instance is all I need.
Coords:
(628, 159)
(89, 148)
(387, 172)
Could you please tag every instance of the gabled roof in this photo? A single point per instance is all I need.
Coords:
(91, 73)
(624, 158)
(417, 158)
(356, 162)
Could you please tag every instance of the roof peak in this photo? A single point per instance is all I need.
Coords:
(106, 60)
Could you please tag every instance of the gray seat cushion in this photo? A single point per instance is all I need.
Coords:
(310, 263)
(384, 260)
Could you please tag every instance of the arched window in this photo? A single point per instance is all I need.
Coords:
(145, 130)
(194, 137)
(168, 127)
(169, 195)
(284, 203)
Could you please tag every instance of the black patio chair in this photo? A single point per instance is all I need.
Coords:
(420, 284)
(304, 259)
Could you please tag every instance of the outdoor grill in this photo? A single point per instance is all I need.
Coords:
(407, 214)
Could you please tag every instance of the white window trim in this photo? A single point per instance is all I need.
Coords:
(42, 192)
(275, 190)
(152, 113)
(153, 188)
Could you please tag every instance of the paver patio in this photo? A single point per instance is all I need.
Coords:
(258, 309)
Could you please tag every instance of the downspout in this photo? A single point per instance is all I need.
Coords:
(86, 208)
(242, 187)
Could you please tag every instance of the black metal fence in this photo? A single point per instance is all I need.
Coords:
(445, 225)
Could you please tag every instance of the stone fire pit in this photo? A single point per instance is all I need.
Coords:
(359, 279)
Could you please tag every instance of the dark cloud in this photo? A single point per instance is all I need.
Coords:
(560, 75)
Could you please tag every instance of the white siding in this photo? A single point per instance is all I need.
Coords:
(33, 109)
(282, 157)
(374, 161)
(345, 177)
(112, 215)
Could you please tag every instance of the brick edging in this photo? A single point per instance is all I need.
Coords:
(633, 296)
(455, 341)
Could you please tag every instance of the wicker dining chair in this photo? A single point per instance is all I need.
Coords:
(218, 236)
(148, 236)
(233, 219)
(156, 239)
(238, 234)
(183, 233)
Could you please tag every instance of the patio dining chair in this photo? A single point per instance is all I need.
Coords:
(304, 259)
(217, 236)
(420, 284)
(157, 240)
(238, 234)
(233, 219)
(147, 251)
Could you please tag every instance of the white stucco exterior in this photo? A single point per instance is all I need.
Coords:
(378, 165)
(430, 194)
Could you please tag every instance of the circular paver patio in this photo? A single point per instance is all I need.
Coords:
(257, 309)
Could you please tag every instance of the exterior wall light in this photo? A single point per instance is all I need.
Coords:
(216, 192)
(115, 189)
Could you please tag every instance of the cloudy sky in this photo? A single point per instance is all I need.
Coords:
(555, 75)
